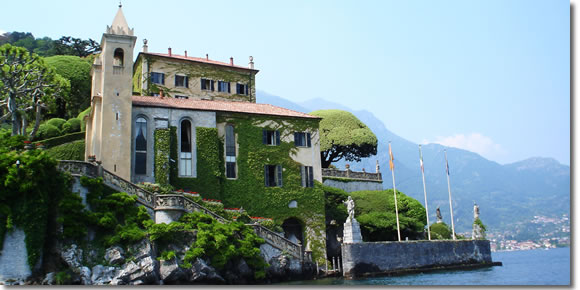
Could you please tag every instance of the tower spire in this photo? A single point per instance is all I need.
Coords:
(120, 26)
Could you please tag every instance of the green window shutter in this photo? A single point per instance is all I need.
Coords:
(303, 175)
(264, 137)
(310, 176)
(266, 181)
(308, 142)
(277, 137)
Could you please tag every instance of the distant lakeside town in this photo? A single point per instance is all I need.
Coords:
(541, 232)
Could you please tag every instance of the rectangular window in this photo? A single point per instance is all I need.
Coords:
(270, 137)
(273, 175)
(181, 97)
(181, 81)
(307, 174)
(230, 152)
(302, 139)
(223, 86)
(207, 85)
(242, 89)
(158, 78)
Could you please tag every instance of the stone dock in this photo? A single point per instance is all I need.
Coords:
(389, 258)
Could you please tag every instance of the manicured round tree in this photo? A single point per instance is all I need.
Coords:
(342, 135)
(77, 71)
(375, 211)
(440, 231)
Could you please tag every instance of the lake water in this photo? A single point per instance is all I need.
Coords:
(533, 267)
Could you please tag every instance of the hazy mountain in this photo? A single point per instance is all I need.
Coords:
(505, 193)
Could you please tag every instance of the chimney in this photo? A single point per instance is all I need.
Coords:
(206, 56)
(161, 94)
(144, 45)
(186, 54)
(231, 61)
(169, 51)
(251, 64)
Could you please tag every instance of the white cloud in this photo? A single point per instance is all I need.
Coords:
(2, 32)
(474, 142)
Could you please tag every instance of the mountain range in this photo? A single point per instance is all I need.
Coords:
(506, 194)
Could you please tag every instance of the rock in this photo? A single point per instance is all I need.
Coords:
(102, 275)
(244, 270)
(85, 274)
(142, 249)
(202, 273)
(142, 272)
(72, 256)
(49, 279)
(278, 267)
(170, 272)
(115, 255)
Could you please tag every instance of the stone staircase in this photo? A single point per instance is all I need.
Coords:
(157, 202)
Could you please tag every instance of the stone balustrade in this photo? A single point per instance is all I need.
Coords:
(278, 241)
(170, 202)
(361, 175)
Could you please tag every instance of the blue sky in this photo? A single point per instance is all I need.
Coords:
(489, 76)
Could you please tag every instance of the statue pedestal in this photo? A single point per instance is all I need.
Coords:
(351, 233)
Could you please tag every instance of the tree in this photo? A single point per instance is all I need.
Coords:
(342, 135)
(77, 71)
(26, 85)
(68, 45)
(375, 211)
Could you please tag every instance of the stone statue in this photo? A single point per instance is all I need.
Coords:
(475, 211)
(439, 217)
(351, 231)
(350, 207)
(478, 232)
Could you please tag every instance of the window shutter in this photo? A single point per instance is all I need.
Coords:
(277, 137)
(308, 142)
(279, 171)
(310, 176)
(264, 137)
(266, 182)
(202, 84)
(212, 86)
(296, 142)
(163, 79)
(229, 88)
(247, 89)
(303, 175)
(186, 81)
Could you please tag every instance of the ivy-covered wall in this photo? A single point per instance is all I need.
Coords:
(248, 190)
(194, 71)
(209, 164)
(162, 150)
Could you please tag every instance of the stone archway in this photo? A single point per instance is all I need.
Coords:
(293, 230)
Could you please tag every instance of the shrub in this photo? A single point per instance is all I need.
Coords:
(81, 117)
(71, 126)
(47, 130)
(57, 122)
(68, 151)
(440, 231)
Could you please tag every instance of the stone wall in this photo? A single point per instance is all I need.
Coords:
(14, 257)
(353, 185)
(363, 259)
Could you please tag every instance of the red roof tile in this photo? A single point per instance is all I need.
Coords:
(218, 106)
(198, 59)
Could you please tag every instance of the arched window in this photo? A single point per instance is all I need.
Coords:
(141, 146)
(185, 154)
(118, 57)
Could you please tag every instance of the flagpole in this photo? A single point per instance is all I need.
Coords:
(425, 192)
(392, 165)
(449, 189)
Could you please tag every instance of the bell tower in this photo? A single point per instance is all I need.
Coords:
(108, 133)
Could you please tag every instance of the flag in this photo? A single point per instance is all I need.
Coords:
(391, 158)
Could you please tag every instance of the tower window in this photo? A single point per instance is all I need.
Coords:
(141, 146)
(185, 154)
(158, 78)
(118, 57)
(181, 81)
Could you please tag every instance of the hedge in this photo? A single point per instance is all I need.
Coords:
(51, 142)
